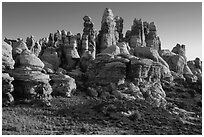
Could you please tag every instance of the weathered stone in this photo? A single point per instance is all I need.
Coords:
(113, 72)
(62, 85)
(119, 26)
(17, 48)
(176, 63)
(30, 42)
(92, 92)
(57, 36)
(151, 38)
(88, 26)
(71, 55)
(48, 67)
(190, 78)
(7, 88)
(136, 91)
(150, 53)
(32, 90)
(85, 61)
(180, 50)
(89, 35)
(50, 55)
(27, 74)
(28, 59)
(7, 60)
(29, 81)
(165, 54)
(179, 78)
(196, 68)
(136, 38)
(139, 68)
(50, 40)
(61, 71)
(135, 41)
(103, 71)
(154, 94)
(187, 70)
(107, 33)
(113, 50)
(123, 47)
(36, 49)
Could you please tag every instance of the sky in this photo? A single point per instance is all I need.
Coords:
(176, 22)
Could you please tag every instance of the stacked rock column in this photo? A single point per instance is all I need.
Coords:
(151, 38)
(136, 38)
(107, 33)
(30, 83)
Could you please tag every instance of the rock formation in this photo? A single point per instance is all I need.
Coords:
(30, 42)
(107, 33)
(7, 64)
(89, 33)
(29, 81)
(51, 56)
(180, 50)
(119, 27)
(62, 85)
(196, 68)
(136, 38)
(151, 38)
(108, 72)
(133, 67)
(71, 54)
(50, 40)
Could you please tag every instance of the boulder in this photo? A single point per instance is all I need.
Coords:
(62, 85)
(26, 58)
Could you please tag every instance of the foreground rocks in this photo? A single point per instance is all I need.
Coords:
(30, 82)
(110, 74)
(62, 85)
(7, 64)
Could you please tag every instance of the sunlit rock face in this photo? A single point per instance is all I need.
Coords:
(107, 33)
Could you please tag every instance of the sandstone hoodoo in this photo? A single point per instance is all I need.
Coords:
(29, 81)
(104, 65)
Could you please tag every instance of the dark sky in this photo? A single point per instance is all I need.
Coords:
(176, 22)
